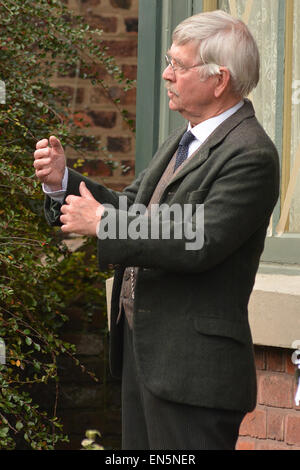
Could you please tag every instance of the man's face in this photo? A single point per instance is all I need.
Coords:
(188, 95)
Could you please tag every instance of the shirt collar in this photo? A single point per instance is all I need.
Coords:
(203, 130)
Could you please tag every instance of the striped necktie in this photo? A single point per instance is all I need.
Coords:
(183, 148)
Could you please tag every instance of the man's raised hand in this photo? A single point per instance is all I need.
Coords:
(50, 162)
(81, 214)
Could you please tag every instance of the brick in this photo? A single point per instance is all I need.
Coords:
(99, 96)
(290, 368)
(275, 390)
(69, 91)
(128, 167)
(125, 48)
(69, 372)
(93, 322)
(119, 144)
(96, 70)
(106, 119)
(89, 143)
(275, 424)
(69, 70)
(271, 445)
(86, 344)
(107, 23)
(126, 4)
(130, 121)
(131, 25)
(260, 360)
(81, 119)
(254, 424)
(74, 396)
(245, 445)
(95, 168)
(90, 3)
(130, 71)
(128, 97)
(275, 359)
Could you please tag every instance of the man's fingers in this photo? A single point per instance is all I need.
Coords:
(71, 198)
(41, 153)
(41, 144)
(55, 143)
(84, 191)
(65, 228)
(41, 163)
(64, 209)
(42, 174)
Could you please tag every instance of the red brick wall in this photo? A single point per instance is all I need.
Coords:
(275, 423)
(119, 21)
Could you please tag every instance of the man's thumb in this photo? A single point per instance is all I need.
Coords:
(55, 143)
(84, 192)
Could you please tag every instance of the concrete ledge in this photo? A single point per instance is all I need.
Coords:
(274, 310)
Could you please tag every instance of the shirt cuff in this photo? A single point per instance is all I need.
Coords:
(58, 196)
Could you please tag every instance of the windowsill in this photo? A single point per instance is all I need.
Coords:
(274, 308)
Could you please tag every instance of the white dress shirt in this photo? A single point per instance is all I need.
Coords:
(202, 131)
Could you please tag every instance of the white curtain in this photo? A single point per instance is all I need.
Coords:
(261, 16)
(294, 220)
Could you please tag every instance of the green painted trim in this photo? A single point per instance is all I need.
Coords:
(197, 6)
(174, 11)
(279, 94)
(157, 19)
(148, 82)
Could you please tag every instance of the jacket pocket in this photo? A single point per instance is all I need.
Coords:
(238, 331)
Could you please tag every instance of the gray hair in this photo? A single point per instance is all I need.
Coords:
(223, 41)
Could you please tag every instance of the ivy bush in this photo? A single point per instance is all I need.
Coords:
(37, 40)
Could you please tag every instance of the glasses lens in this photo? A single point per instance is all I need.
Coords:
(169, 62)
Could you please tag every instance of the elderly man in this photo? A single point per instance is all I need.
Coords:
(180, 337)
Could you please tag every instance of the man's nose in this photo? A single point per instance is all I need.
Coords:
(168, 73)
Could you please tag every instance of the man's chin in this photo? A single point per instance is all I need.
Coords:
(172, 105)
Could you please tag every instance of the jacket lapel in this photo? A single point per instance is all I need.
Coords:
(158, 165)
(215, 138)
(161, 159)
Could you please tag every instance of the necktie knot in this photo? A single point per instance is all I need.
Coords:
(183, 148)
(186, 139)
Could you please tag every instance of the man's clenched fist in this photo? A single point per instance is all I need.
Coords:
(81, 214)
(50, 162)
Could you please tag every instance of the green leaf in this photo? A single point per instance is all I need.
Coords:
(19, 425)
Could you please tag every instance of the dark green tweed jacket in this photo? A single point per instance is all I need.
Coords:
(192, 339)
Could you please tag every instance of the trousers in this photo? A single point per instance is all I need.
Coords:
(152, 423)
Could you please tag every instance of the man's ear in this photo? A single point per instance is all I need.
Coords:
(223, 81)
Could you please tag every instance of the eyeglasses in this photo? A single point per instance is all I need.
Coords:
(170, 61)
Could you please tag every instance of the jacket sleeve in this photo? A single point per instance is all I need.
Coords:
(100, 193)
(239, 202)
